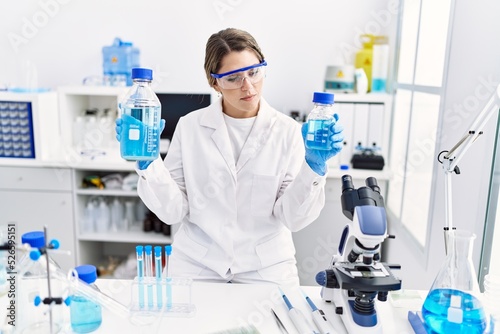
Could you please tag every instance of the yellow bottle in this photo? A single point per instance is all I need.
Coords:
(364, 57)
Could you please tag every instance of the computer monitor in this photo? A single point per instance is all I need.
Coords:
(176, 105)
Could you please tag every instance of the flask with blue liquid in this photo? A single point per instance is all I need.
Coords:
(140, 112)
(319, 122)
(452, 304)
(85, 314)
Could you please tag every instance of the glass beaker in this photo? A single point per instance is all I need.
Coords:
(452, 304)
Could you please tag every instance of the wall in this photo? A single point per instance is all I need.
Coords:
(51, 43)
(473, 74)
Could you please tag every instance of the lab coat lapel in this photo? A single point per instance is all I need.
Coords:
(214, 119)
(259, 134)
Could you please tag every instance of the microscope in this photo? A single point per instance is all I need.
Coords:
(356, 276)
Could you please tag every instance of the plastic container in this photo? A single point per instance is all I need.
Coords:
(118, 61)
(380, 65)
(452, 304)
(364, 57)
(85, 314)
(36, 315)
(141, 112)
(319, 122)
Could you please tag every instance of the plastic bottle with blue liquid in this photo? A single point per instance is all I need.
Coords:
(85, 314)
(319, 122)
(141, 112)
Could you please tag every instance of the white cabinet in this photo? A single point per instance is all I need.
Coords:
(88, 124)
(91, 111)
(94, 247)
(34, 197)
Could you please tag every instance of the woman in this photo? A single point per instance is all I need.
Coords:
(235, 176)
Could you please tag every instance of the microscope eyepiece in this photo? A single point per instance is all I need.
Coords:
(371, 182)
(347, 183)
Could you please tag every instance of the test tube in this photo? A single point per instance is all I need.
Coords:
(168, 251)
(149, 273)
(159, 298)
(140, 274)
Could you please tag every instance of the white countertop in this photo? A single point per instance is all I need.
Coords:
(221, 307)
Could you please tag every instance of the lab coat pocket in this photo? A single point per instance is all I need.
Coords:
(276, 250)
(185, 240)
(264, 190)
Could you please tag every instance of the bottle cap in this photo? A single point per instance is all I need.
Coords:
(142, 73)
(87, 273)
(35, 239)
(321, 97)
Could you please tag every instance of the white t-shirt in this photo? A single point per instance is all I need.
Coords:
(238, 130)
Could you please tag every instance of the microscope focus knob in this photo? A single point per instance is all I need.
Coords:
(327, 279)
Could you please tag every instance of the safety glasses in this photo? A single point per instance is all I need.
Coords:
(234, 79)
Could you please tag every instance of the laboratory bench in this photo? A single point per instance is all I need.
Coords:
(220, 307)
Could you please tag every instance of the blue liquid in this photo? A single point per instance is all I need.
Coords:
(141, 136)
(318, 134)
(436, 309)
(86, 316)
(378, 85)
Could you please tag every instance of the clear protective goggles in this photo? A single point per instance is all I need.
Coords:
(234, 79)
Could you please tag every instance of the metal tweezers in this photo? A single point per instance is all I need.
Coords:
(280, 324)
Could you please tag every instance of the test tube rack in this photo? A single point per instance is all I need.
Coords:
(170, 297)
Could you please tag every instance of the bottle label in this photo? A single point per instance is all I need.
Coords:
(134, 134)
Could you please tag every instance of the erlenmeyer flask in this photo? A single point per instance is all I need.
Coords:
(452, 305)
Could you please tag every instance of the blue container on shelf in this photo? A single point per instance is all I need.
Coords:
(118, 61)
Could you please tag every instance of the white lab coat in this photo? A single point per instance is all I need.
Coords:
(237, 216)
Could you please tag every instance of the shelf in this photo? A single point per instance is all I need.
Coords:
(107, 192)
(136, 235)
(381, 175)
(362, 98)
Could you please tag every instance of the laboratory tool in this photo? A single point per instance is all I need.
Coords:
(158, 265)
(353, 283)
(40, 287)
(118, 61)
(279, 322)
(319, 121)
(367, 157)
(140, 274)
(452, 304)
(364, 57)
(149, 273)
(139, 123)
(148, 302)
(168, 279)
(299, 320)
(449, 159)
(85, 314)
(319, 318)
(339, 78)
(361, 81)
(380, 65)
(452, 300)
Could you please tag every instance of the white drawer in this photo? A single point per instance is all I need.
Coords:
(35, 178)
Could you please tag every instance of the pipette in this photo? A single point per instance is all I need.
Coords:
(140, 274)
(159, 297)
(168, 251)
(149, 273)
(299, 320)
(324, 325)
